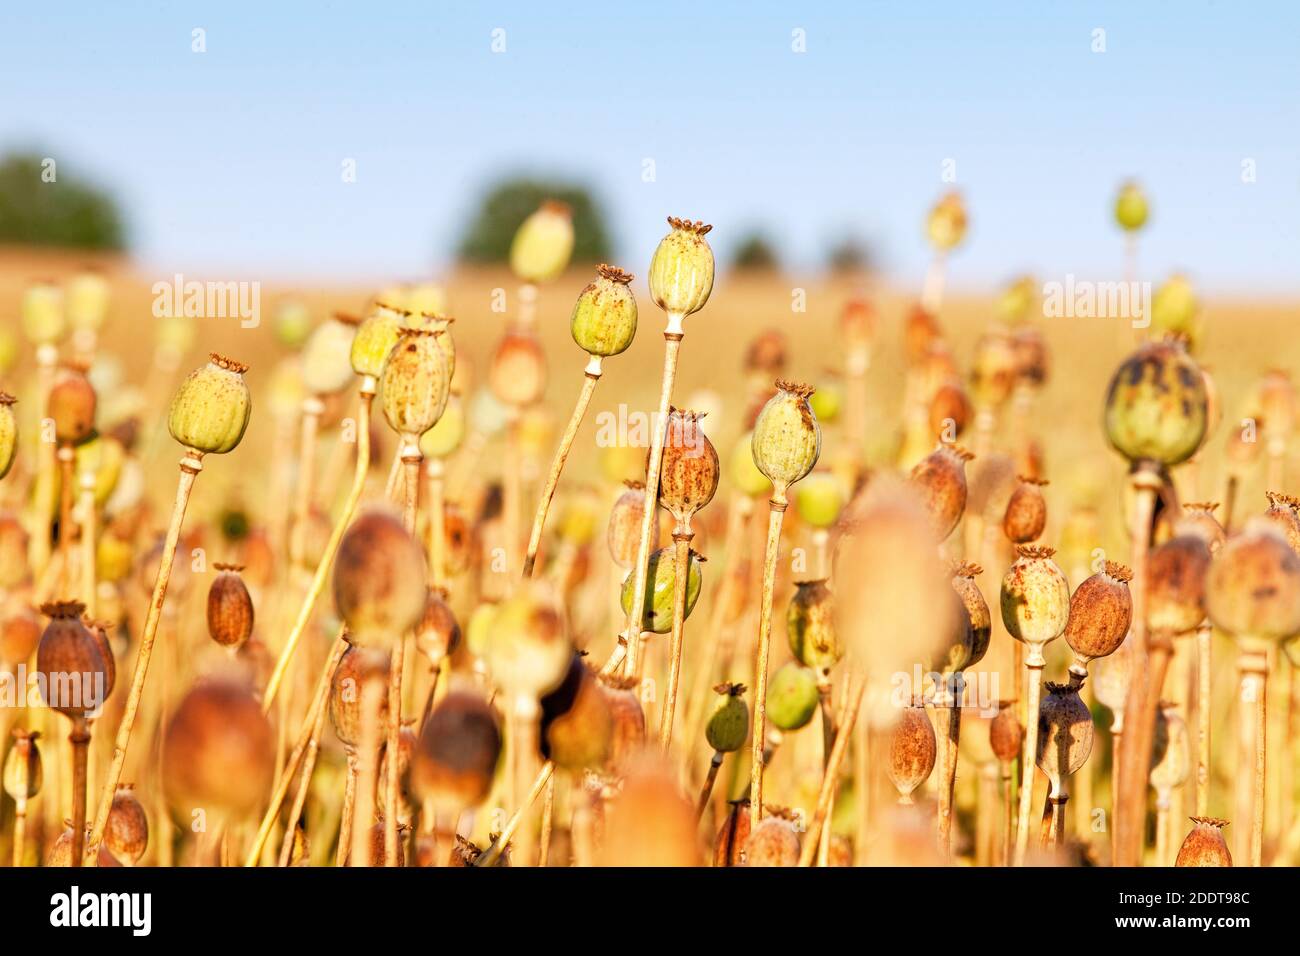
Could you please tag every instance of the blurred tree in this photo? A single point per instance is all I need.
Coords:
(509, 202)
(44, 205)
(850, 255)
(755, 252)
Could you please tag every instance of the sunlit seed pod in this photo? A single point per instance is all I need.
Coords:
(42, 312)
(941, 479)
(1174, 310)
(792, 696)
(1017, 299)
(406, 746)
(60, 852)
(99, 631)
(379, 577)
(1101, 611)
(327, 356)
(1253, 588)
(774, 842)
(71, 406)
(517, 375)
(577, 728)
(543, 243)
(374, 340)
(920, 332)
(787, 440)
(210, 410)
(625, 708)
(1111, 677)
(439, 325)
(1065, 733)
(950, 411)
(827, 401)
(1006, 735)
(1198, 520)
(744, 473)
(689, 470)
(437, 635)
(729, 843)
(291, 324)
(127, 833)
(414, 385)
(657, 611)
(579, 518)
(820, 498)
(603, 322)
(19, 634)
(1032, 362)
(1205, 845)
(1176, 574)
(978, 617)
(624, 533)
(858, 323)
(681, 269)
(70, 663)
(218, 751)
(727, 728)
(377, 842)
(230, 607)
(14, 567)
(1035, 597)
(527, 647)
(912, 751)
(1026, 514)
(810, 625)
(1282, 512)
(23, 773)
(86, 300)
(1170, 749)
(442, 440)
(946, 224)
(651, 822)
(101, 456)
(1131, 207)
(357, 667)
(1156, 405)
(8, 433)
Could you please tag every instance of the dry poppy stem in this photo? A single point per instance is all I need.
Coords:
(190, 467)
(776, 514)
(512, 490)
(591, 375)
(435, 471)
(363, 813)
(367, 397)
(1160, 650)
(681, 574)
(80, 740)
(1054, 819)
(20, 828)
(87, 481)
(948, 708)
(1203, 634)
(1162, 828)
(706, 791)
(493, 853)
(641, 570)
(312, 409)
(548, 813)
(1034, 664)
(67, 490)
(1252, 663)
(435, 673)
(986, 806)
(1116, 753)
(349, 809)
(304, 786)
(830, 776)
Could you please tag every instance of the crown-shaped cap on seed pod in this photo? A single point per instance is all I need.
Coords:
(681, 270)
(543, 243)
(1204, 845)
(210, 410)
(787, 441)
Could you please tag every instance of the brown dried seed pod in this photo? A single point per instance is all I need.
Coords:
(688, 470)
(1065, 733)
(127, 832)
(74, 675)
(774, 842)
(912, 751)
(624, 534)
(941, 478)
(1176, 585)
(1026, 514)
(629, 721)
(1006, 735)
(577, 728)
(438, 634)
(978, 615)
(1204, 845)
(14, 568)
(1101, 610)
(767, 353)
(99, 630)
(651, 823)
(458, 752)
(1253, 588)
(379, 577)
(950, 411)
(60, 853)
(230, 607)
(729, 843)
(71, 405)
(19, 635)
(1282, 512)
(810, 626)
(517, 375)
(357, 666)
(1035, 598)
(23, 774)
(1198, 519)
(920, 333)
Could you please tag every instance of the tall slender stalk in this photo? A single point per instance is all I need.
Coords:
(411, 460)
(1252, 665)
(435, 471)
(87, 507)
(681, 573)
(80, 740)
(830, 775)
(1203, 707)
(1034, 663)
(948, 708)
(67, 494)
(775, 517)
(493, 853)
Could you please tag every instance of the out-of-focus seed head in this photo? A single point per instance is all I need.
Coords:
(912, 751)
(14, 566)
(517, 374)
(1204, 845)
(1282, 512)
(946, 224)
(820, 498)
(579, 518)
(729, 843)
(442, 440)
(379, 579)
(528, 648)
(458, 752)
(1065, 733)
(689, 470)
(858, 323)
(23, 774)
(941, 479)
(1171, 756)
(920, 333)
(127, 832)
(218, 751)
(543, 243)
(8, 433)
(792, 696)
(357, 667)
(624, 534)
(210, 410)
(629, 721)
(1101, 611)
(1111, 677)
(42, 312)
(1006, 735)
(728, 725)
(950, 411)
(774, 842)
(437, 635)
(374, 340)
(827, 401)
(19, 634)
(327, 356)
(230, 607)
(60, 852)
(1131, 207)
(1026, 514)
(577, 728)
(810, 625)
(1198, 520)
(604, 317)
(102, 457)
(681, 270)
(291, 323)
(487, 414)
(651, 823)
(99, 631)
(787, 440)
(744, 473)
(1253, 588)
(71, 405)
(1176, 585)
(1157, 407)
(87, 300)
(415, 384)
(1035, 597)
(978, 616)
(1174, 310)
(657, 611)
(70, 659)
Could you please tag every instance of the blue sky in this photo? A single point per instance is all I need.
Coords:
(231, 160)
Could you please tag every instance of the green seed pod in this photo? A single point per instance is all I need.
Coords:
(1205, 845)
(827, 401)
(912, 751)
(728, 726)
(527, 648)
(517, 375)
(577, 729)
(327, 356)
(374, 340)
(210, 409)
(542, 245)
(23, 774)
(820, 498)
(978, 616)
(71, 404)
(657, 612)
(681, 270)
(414, 386)
(941, 479)
(1131, 207)
(291, 324)
(744, 473)
(1253, 589)
(946, 224)
(230, 607)
(688, 471)
(379, 579)
(792, 696)
(1174, 310)
(787, 439)
(604, 317)
(1035, 598)
(8, 433)
(1156, 406)
(101, 456)
(810, 626)
(1065, 734)
(42, 313)
(458, 752)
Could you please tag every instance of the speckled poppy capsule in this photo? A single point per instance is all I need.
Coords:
(127, 832)
(810, 625)
(604, 317)
(689, 470)
(374, 340)
(978, 616)
(71, 406)
(1065, 734)
(543, 243)
(941, 479)
(1006, 735)
(437, 635)
(787, 440)
(1282, 512)
(1101, 610)
(210, 410)
(774, 842)
(1156, 405)
(70, 662)
(1205, 845)
(624, 532)
(1035, 600)
(681, 270)
(912, 750)
(527, 648)
(230, 607)
(458, 752)
(23, 774)
(728, 726)
(1176, 574)
(8, 433)
(657, 611)
(1026, 514)
(577, 728)
(357, 666)
(379, 577)
(517, 375)
(1253, 588)
(415, 384)
(792, 696)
